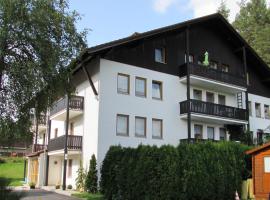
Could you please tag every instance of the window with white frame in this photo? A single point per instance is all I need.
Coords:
(210, 133)
(140, 87)
(157, 90)
(197, 94)
(198, 131)
(140, 126)
(123, 83)
(267, 164)
(157, 126)
(222, 134)
(160, 55)
(258, 109)
(122, 124)
(221, 99)
(210, 97)
(266, 112)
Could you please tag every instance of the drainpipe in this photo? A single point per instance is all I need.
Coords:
(47, 157)
(34, 146)
(65, 147)
(188, 86)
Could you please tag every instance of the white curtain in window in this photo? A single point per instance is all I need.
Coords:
(140, 87)
(140, 126)
(157, 128)
(122, 83)
(210, 133)
(156, 90)
(122, 125)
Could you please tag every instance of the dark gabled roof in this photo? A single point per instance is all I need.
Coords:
(107, 46)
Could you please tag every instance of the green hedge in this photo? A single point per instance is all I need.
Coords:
(200, 171)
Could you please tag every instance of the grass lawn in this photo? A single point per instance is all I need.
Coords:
(89, 196)
(12, 172)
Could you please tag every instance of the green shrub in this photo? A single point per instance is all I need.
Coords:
(190, 171)
(91, 177)
(2, 160)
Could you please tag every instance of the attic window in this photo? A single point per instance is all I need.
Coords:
(160, 55)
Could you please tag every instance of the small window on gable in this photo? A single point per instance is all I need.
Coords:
(224, 68)
(160, 55)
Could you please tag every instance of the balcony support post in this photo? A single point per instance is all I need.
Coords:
(65, 147)
(188, 85)
(246, 92)
(47, 157)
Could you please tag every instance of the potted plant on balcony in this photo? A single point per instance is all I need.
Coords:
(32, 185)
(206, 59)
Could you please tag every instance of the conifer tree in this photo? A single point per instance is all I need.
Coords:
(91, 178)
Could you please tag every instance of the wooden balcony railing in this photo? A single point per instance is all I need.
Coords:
(39, 147)
(75, 103)
(213, 109)
(74, 142)
(214, 74)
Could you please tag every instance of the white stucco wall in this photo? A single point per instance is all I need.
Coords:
(256, 122)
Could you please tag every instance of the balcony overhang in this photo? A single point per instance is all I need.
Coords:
(213, 119)
(213, 84)
(61, 116)
(60, 152)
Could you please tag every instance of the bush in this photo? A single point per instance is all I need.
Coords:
(2, 160)
(190, 171)
(80, 180)
(91, 177)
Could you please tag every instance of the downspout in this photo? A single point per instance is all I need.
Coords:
(188, 86)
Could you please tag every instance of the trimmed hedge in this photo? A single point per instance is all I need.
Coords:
(200, 171)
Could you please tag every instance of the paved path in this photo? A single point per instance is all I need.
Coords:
(39, 194)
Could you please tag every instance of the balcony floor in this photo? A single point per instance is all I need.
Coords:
(212, 119)
(61, 152)
(212, 84)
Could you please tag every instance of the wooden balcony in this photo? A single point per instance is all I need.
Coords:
(208, 77)
(217, 112)
(74, 142)
(58, 109)
(39, 147)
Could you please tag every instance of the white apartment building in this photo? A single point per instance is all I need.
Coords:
(144, 89)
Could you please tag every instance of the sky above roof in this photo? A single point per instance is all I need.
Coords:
(114, 19)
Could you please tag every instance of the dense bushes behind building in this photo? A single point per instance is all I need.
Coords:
(190, 171)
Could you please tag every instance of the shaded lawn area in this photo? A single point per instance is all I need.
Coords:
(89, 196)
(12, 172)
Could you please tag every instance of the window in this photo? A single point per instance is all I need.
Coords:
(190, 58)
(221, 99)
(267, 164)
(258, 109)
(122, 125)
(222, 134)
(249, 108)
(197, 94)
(198, 131)
(140, 87)
(140, 126)
(224, 68)
(157, 127)
(69, 168)
(211, 133)
(213, 64)
(266, 112)
(210, 97)
(123, 84)
(160, 55)
(55, 132)
(156, 90)
(71, 129)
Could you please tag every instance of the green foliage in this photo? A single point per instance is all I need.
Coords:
(222, 9)
(91, 178)
(80, 180)
(38, 41)
(190, 171)
(253, 23)
(88, 196)
(12, 172)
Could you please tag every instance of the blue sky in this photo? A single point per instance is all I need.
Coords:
(114, 19)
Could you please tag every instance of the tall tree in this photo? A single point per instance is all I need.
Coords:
(222, 9)
(253, 23)
(38, 40)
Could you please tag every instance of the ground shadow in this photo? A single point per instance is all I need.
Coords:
(6, 192)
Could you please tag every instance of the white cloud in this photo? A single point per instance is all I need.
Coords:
(161, 6)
